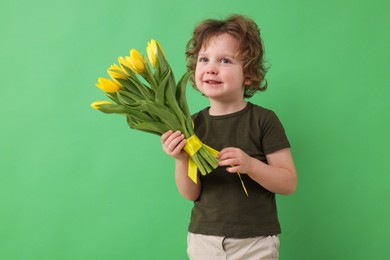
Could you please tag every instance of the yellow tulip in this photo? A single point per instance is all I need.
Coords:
(107, 85)
(96, 104)
(151, 50)
(124, 61)
(115, 75)
(136, 61)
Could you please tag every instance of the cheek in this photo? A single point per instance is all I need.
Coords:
(230, 76)
(198, 76)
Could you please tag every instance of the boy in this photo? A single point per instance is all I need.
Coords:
(226, 57)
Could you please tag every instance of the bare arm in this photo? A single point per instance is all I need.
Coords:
(278, 176)
(173, 143)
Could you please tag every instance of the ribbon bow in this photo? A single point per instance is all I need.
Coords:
(191, 147)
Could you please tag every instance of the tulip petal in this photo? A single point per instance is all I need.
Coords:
(137, 62)
(151, 50)
(113, 71)
(96, 105)
(107, 85)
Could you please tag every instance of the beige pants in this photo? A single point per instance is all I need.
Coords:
(202, 247)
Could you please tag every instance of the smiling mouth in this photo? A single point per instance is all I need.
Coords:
(213, 82)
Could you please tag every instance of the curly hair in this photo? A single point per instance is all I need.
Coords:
(251, 51)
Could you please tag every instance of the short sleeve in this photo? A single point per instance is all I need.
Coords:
(274, 137)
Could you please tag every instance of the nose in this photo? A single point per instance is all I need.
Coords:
(211, 69)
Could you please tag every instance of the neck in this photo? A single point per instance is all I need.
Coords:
(221, 108)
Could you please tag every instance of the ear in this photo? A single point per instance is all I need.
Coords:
(247, 82)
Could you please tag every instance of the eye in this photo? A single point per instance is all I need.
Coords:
(225, 61)
(203, 59)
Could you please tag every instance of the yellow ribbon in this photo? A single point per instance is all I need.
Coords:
(191, 147)
(193, 144)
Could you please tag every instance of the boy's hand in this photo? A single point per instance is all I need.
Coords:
(237, 159)
(173, 143)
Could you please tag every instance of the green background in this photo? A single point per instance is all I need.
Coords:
(78, 184)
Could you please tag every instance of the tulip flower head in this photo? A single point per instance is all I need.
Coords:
(96, 105)
(112, 71)
(137, 62)
(107, 85)
(151, 50)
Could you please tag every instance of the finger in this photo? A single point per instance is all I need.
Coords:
(165, 135)
(233, 169)
(172, 136)
(228, 151)
(226, 155)
(179, 146)
(228, 162)
(173, 143)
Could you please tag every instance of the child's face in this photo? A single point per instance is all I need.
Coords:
(219, 71)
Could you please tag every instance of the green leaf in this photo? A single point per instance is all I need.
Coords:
(181, 93)
(151, 127)
(128, 70)
(112, 109)
(164, 114)
(134, 86)
(139, 115)
(150, 78)
(130, 86)
(161, 63)
(182, 100)
(127, 98)
(160, 94)
(171, 102)
(113, 97)
(146, 92)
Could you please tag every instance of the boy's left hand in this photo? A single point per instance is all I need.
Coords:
(238, 160)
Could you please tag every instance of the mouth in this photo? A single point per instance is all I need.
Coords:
(212, 82)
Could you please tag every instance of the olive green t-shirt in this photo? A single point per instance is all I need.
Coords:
(223, 209)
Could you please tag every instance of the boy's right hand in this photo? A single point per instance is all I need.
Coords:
(173, 143)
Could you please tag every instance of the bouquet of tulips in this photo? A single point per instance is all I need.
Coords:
(155, 104)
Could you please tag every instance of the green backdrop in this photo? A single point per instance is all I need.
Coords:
(79, 184)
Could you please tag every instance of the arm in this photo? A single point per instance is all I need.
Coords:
(173, 143)
(278, 176)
